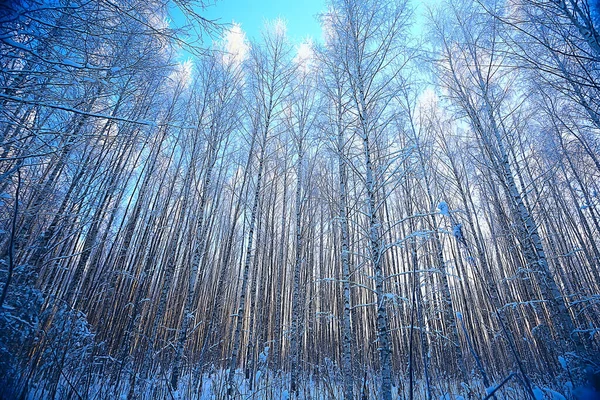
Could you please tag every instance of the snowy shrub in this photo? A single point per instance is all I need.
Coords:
(45, 346)
(19, 322)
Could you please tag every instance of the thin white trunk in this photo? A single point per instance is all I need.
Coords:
(296, 317)
(197, 255)
(346, 317)
(239, 316)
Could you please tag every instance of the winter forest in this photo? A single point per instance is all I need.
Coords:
(406, 208)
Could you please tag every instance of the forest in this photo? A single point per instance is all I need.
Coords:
(405, 208)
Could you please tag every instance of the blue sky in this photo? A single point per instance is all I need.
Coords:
(300, 16)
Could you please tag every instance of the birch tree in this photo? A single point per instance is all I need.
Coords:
(268, 84)
(368, 38)
(334, 87)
